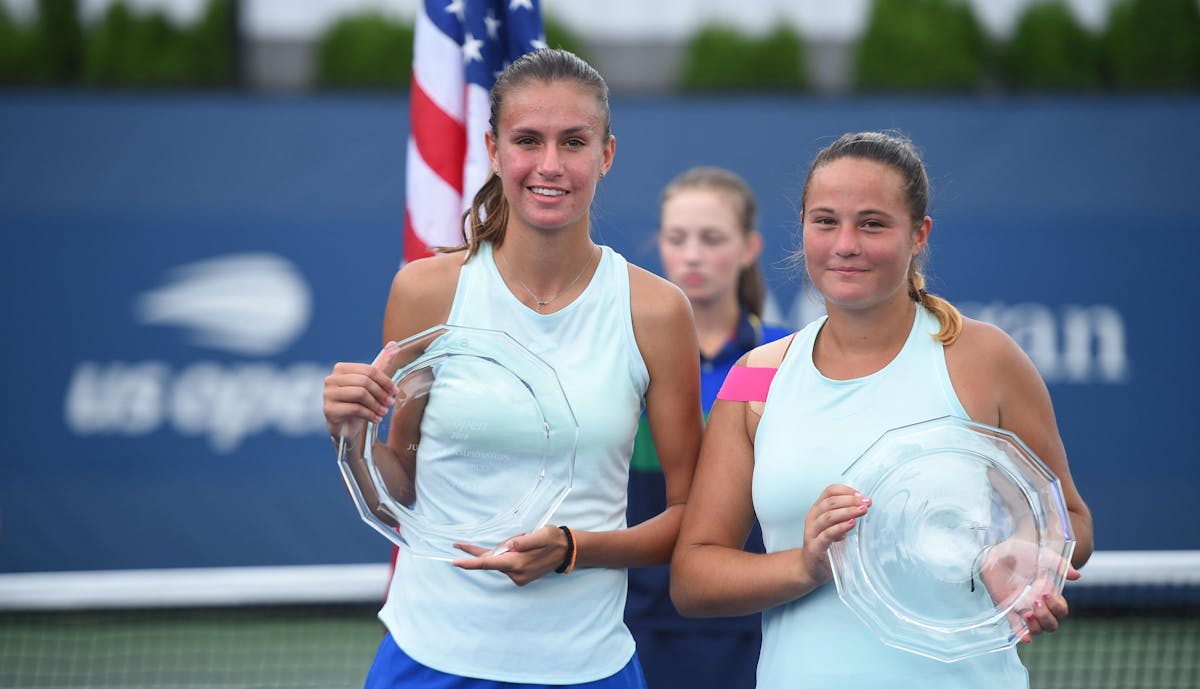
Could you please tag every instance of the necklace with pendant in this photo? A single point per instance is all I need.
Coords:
(542, 303)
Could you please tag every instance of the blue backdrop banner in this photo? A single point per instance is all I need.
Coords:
(182, 273)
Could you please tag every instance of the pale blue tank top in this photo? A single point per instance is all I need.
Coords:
(812, 428)
(560, 629)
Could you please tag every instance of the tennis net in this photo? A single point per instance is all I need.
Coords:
(239, 628)
(1134, 624)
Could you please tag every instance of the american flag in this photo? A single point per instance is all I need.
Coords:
(460, 47)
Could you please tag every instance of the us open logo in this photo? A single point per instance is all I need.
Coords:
(252, 305)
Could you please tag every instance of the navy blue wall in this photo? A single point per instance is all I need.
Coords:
(180, 273)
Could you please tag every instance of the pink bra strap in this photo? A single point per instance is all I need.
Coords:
(747, 384)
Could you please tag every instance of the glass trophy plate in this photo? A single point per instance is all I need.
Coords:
(481, 444)
(967, 528)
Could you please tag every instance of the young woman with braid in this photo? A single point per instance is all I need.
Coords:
(548, 610)
(887, 354)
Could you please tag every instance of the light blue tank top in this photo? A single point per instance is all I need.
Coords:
(560, 629)
(812, 428)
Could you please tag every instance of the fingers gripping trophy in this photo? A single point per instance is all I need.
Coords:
(436, 490)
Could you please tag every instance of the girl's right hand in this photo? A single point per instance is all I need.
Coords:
(356, 391)
(829, 520)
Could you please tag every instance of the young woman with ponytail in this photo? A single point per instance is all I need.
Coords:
(887, 354)
(547, 610)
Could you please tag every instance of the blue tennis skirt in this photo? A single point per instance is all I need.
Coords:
(393, 669)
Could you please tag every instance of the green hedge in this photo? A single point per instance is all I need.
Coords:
(1154, 44)
(721, 58)
(124, 48)
(915, 45)
(1050, 50)
(16, 55)
(366, 51)
(57, 42)
(214, 45)
(131, 50)
(128, 48)
(921, 45)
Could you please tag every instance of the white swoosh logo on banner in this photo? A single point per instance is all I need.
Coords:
(255, 304)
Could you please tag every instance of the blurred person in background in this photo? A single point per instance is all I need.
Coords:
(709, 247)
(888, 354)
(546, 610)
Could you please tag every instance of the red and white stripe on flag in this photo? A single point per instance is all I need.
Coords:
(459, 49)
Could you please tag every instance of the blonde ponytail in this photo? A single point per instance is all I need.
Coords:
(948, 316)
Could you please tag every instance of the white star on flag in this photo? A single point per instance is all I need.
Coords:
(493, 26)
(472, 49)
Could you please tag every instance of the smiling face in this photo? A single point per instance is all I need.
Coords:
(859, 233)
(703, 245)
(550, 149)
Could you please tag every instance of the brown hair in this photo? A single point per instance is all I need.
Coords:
(750, 289)
(898, 152)
(487, 217)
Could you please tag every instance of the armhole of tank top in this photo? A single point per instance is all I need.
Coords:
(639, 375)
(460, 286)
(942, 368)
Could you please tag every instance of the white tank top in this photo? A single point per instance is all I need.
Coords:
(560, 629)
(812, 428)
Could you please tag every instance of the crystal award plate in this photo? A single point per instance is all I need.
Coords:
(478, 447)
(967, 527)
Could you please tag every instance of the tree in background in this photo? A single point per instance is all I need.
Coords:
(722, 58)
(130, 49)
(1154, 44)
(57, 45)
(1051, 50)
(215, 45)
(16, 59)
(123, 48)
(365, 51)
(921, 45)
(918, 45)
(108, 46)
